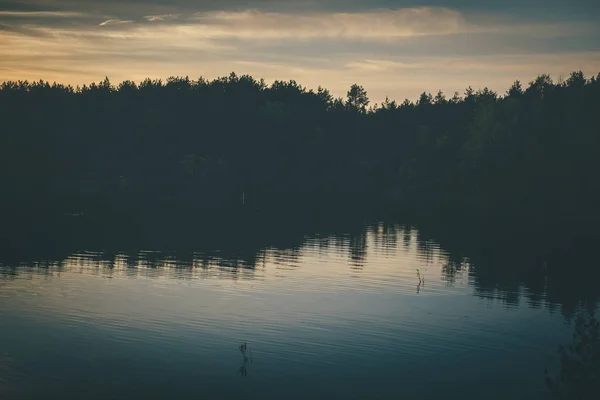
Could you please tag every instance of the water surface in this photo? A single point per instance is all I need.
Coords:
(382, 314)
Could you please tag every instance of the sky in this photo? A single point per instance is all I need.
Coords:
(395, 48)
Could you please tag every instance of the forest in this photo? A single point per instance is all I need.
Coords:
(522, 161)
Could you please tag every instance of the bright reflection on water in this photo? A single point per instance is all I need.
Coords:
(339, 317)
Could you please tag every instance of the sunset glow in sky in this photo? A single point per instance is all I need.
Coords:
(394, 48)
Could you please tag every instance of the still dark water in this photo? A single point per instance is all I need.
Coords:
(340, 316)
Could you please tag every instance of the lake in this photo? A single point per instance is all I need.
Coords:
(377, 312)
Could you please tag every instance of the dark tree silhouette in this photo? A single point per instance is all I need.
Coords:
(357, 99)
(179, 147)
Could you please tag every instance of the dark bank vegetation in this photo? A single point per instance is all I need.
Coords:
(524, 160)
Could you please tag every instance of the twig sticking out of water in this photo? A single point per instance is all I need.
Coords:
(244, 350)
(421, 281)
(247, 355)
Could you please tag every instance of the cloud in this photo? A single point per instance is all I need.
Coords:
(373, 24)
(37, 14)
(376, 25)
(162, 17)
(114, 22)
(144, 7)
(504, 64)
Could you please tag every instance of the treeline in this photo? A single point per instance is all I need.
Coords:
(527, 157)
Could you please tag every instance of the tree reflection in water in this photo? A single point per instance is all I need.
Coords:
(6, 372)
(579, 376)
